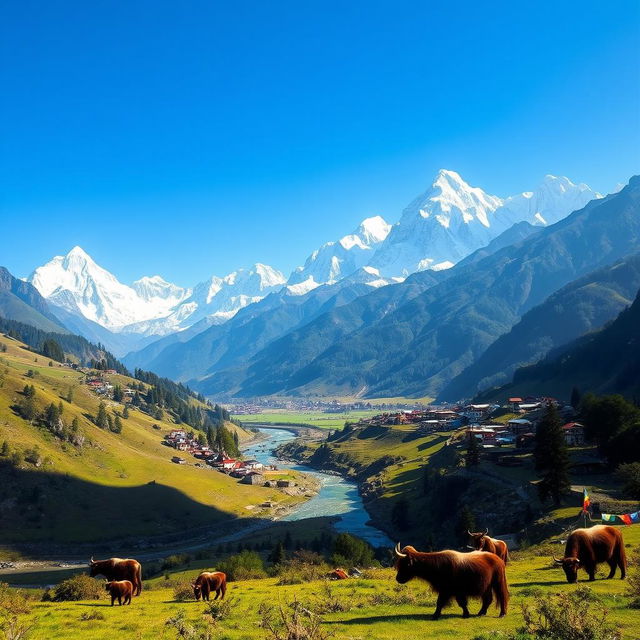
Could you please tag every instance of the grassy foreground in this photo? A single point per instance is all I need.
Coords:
(373, 608)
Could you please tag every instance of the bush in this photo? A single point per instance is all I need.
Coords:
(629, 475)
(13, 601)
(247, 565)
(572, 616)
(91, 615)
(186, 630)
(220, 609)
(176, 560)
(305, 566)
(80, 587)
(350, 551)
(183, 591)
(634, 581)
(293, 622)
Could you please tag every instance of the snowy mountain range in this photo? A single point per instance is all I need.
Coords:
(452, 219)
(440, 227)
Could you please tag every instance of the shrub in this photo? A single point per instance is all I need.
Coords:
(175, 560)
(629, 475)
(13, 601)
(330, 602)
(634, 581)
(220, 609)
(91, 615)
(572, 616)
(80, 587)
(295, 622)
(351, 551)
(305, 566)
(183, 591)
(246, 565)
(186, 630)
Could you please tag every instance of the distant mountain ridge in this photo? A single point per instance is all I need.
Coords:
(419, 346)
(604, 361)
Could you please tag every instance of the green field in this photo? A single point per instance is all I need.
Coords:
(307, 418)
(372, 608)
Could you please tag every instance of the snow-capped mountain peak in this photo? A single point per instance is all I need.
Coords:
(156, 287)
(338, 259)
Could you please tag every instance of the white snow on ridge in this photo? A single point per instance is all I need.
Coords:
(151, 306)
(338, 259)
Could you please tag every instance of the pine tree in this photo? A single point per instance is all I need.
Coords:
(278, 555)
(117, 425)
(400, 514)
(211, 436)
(27, 408)
(466, 521)
(117, 393)
(125, 412)
(576, 396)
(75, 425)
(69, 396)
(4, 451)
(102, 419)
(60, 408)
(472, 457)
(551, 457)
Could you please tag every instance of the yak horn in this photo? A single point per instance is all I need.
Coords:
(557, 560)
(91, 561)
(398, 552)
(469, 532)
(470, 547)
(486, 531)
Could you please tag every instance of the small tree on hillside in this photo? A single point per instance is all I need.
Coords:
(465, 521)
(472, 457)
(400, 514)
(102, 419)
(551, 457)
(125, 412)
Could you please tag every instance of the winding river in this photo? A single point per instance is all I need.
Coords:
(337, 496)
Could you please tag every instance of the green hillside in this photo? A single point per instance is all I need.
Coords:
(76, 482)
(606, 361)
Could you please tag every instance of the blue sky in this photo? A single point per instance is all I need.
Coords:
(188, 139)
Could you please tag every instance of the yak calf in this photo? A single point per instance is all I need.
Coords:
(482, 542)
(120, 590)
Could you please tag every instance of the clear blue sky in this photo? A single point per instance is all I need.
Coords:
(193, 138)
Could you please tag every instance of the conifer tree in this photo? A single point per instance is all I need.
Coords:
(27, 408)
(125, 412)
(472, 457)
(278, 555)
(4, 450)
(102, 419)
(551, 457)
(117, 425)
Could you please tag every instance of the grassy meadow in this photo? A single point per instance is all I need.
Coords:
(373, 608)
(316, 419)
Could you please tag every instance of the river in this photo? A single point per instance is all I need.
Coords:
(337, 496)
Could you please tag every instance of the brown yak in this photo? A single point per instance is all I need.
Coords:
(120, 590)
(118, 569)
(586, 548)
(482, 542)
(209, 581)
(452, 574)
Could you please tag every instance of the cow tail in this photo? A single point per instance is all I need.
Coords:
(139, 580)
(223, 588)
(501, 589)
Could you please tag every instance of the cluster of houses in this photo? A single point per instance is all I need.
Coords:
(100, 385)
(249, 471)
(519, 431)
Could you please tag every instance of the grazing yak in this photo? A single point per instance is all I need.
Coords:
(118, 569)
(120, 590)
(482, 542)
(586, 548)
(209, 581)
(452, 574)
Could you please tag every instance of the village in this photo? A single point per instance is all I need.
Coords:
(511, 424)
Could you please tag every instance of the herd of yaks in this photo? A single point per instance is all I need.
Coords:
(480, 573)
